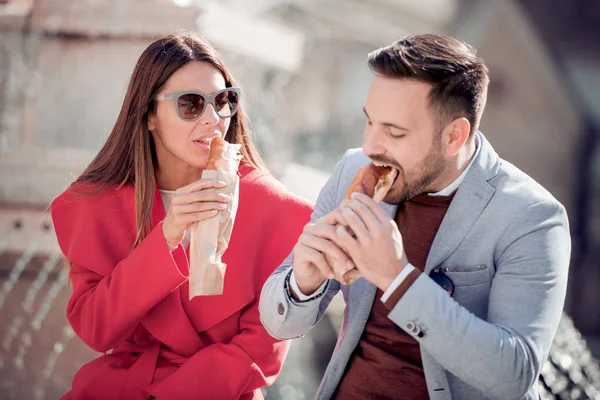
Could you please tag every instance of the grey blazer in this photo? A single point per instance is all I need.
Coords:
(505, 241)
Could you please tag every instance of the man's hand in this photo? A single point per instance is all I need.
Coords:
(315, 247)
(375, 246)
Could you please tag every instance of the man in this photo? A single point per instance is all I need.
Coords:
(464, 265)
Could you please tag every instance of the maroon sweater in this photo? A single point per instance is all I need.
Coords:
(386, 363)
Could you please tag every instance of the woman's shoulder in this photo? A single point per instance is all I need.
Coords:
(85, 200)
(82, 194)
(85, 216)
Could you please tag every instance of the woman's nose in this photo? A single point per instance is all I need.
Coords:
(210, 116)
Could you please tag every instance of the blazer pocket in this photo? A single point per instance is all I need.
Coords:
(467, 276)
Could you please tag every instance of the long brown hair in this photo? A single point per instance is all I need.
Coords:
(129, 155)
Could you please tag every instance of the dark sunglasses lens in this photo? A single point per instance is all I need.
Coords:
(443, 280)
(226, 103)
(190, 105)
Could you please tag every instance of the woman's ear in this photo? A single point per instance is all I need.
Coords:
(152, 121)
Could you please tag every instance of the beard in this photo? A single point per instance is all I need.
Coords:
(417, 181)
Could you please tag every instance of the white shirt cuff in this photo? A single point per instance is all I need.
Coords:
(301, 296)
(397, 282)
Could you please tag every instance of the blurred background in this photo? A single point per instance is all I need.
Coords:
(64, 67)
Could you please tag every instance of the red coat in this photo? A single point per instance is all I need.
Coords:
(212, 347)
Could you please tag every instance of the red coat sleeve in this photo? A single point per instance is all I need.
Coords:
(252, 359)
(112, 287)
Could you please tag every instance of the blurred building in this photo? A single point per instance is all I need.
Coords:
(64, 67)
(570, 30)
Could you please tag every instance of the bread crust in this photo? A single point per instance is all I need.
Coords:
(375, 182)
(217, 149)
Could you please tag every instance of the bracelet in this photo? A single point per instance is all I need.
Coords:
(288, 292)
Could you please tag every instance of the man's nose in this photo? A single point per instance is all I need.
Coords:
(373, 142)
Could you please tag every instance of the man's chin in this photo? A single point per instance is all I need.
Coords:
(395, 196)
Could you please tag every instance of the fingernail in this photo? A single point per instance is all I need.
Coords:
(214, 212)
(221, 183)
(353, 195)
(222, 206)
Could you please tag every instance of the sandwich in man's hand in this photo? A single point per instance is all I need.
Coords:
(374, 181)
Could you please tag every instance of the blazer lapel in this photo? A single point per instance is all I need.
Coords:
(168, 321)
(471, 198)
(360, 300)
(390, 209)
(362, 293)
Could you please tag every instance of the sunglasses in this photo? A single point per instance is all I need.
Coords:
(443, 280)
(190, 105)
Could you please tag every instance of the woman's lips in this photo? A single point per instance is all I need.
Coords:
(202, 144)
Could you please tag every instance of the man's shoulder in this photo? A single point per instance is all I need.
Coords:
(514, 186)
(350, 163)
(347, 168)
(355, 158)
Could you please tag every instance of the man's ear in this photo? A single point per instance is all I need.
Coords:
(455, 135)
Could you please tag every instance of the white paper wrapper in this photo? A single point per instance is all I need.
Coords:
(210, 238)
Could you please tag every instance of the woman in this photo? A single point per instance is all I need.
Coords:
(122, 226)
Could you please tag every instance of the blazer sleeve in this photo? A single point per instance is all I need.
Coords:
(252, 359)
(283, 317)
(112, 288)
(503, 355)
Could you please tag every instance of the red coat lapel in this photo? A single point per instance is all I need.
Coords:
(240, 259)
(168, 321)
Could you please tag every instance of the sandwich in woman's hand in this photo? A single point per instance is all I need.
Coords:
(210, 238)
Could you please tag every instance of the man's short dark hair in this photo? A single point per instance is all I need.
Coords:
(458, 77)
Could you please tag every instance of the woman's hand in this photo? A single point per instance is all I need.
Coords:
(192, 203)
